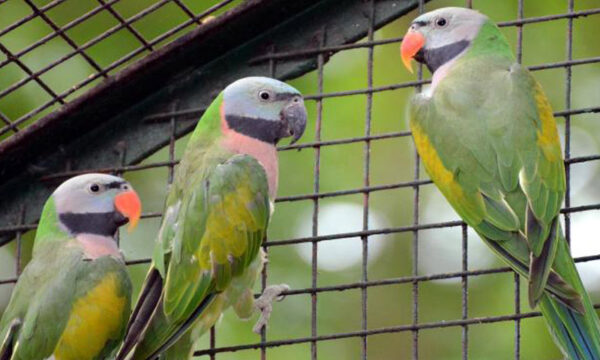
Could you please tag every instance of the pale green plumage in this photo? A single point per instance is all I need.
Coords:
(209, 254)
(489, 142)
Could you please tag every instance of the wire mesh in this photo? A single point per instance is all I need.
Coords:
(366, 189)
(178, 17)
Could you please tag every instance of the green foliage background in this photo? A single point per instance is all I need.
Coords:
(392, 161)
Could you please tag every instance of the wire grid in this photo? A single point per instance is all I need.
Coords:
(415, 279)
(59, 97)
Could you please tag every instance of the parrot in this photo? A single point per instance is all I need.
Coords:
(208, 253)
(73, 299)
(487, 136)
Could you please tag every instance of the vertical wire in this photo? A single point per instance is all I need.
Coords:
(516, 279)
(21, 222)
(465, 289)
(316, 187)
(568, 73)
(415, 235)
(367, 180)
(122, 150)
(264, 274)
(172, 138)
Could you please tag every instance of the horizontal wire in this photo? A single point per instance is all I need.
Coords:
(139, 167)
(574, 209)
(367, 44)
(377, 331)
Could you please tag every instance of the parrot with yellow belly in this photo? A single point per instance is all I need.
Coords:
(487, 136)
(72, 301)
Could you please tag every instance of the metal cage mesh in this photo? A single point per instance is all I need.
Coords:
(317, 196)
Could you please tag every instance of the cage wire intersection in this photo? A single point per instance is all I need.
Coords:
(177, 114)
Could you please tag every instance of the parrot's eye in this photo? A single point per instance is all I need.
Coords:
(94, 188)
(441, 22)
(264, 95)
(125, 187)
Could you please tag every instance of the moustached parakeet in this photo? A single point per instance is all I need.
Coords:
(209, 253)
(72, 301)
(488, 138)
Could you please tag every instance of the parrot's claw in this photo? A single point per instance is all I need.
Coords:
(264, 304)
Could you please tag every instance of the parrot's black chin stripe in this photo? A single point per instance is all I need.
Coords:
(105, 224)
(269, 131)
(436, 57)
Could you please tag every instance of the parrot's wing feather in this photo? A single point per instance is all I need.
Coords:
(543, 182)
(6, 350)
(505, 178)
(214, 234)
(223, 227)
(185, 326)
(146, 305)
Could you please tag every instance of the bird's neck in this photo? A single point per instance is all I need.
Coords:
(49, 228)
(213, 135)
(265, 153)
(95, 246)
(489, 43)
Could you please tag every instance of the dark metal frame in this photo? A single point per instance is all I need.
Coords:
(155, 102)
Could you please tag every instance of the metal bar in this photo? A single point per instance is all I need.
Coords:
(465, 292)
(312, 52)
(367, 181)
(415, 232)
(568, 73)
(376, 283)
(308, 97)
(574, 209)
(386, 330)
(265, 275)
(316, 189)
(519, 55)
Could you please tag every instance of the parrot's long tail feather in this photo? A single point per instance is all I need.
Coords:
(566, 306)
(571, 330)
(140, 318)
(575, 328)
(185, 326)
(6, 350)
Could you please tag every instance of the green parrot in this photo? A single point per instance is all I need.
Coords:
(72, 301)
(208, 253)
(487, 136)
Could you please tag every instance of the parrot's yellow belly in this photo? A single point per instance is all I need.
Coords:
(94, 319)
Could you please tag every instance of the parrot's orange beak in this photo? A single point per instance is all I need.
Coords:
(411, 44)
(128, 203)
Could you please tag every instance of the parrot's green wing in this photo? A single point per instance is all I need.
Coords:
(54, 300)
(495, 154)
(212, 229)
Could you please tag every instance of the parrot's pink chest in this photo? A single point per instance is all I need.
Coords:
(95, 246)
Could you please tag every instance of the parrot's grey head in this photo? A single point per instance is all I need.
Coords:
(96, 204)
(264, 109)
(439, 36)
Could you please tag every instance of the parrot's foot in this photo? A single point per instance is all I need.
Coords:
(264, 304)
